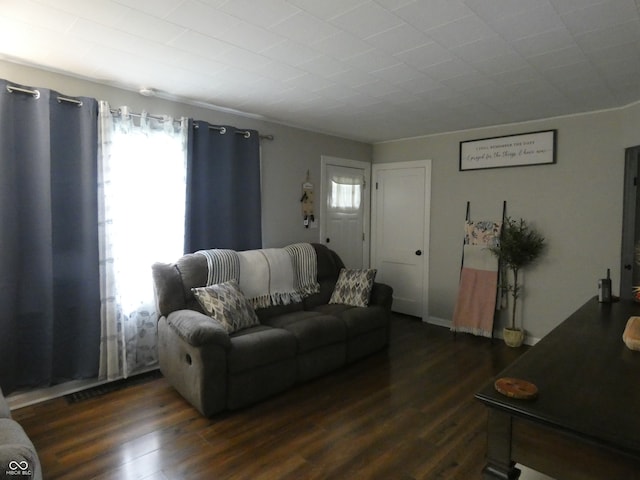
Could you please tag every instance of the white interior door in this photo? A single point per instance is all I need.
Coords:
(343, 218)
(400, 232)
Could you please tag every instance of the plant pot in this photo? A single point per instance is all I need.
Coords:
(513, 337)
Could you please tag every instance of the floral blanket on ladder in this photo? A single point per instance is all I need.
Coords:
(476, 303)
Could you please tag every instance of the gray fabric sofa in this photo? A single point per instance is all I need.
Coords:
(215, 371)
(18, 457)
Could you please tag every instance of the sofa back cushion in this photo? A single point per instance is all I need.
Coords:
(329, 263)
(329, 266)
(173, 283)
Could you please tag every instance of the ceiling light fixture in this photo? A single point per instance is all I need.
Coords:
(147, 92)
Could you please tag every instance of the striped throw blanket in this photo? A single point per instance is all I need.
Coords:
(222, 265)
(271, 276)
(267, 278)
(305, 267)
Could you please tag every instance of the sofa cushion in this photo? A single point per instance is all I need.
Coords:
(353, 287)
(359, 320)
(18, 456)
(322, 297)
(259, 346)
(329, 263)
(168, 288)
(277, 310)
(193, 271)
(311, 329)
(225, 303)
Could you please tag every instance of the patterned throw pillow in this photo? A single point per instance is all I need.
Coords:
(226, 303)
(353, 287)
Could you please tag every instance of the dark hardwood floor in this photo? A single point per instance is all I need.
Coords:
(406, 413)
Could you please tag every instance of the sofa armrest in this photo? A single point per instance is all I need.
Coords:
(18, 457)
(197, 329)
(5, 411)
(382, 295)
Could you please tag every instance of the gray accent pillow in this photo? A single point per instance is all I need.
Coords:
(353, 287)
(225, 303)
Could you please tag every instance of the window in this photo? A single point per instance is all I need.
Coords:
(142, 198)
(346, 193)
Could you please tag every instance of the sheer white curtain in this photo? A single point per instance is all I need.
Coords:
(142, 195)
(346, 192)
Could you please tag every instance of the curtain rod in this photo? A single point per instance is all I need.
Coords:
(244, 133)
(222, 130)
(36, 94)
(160, 118)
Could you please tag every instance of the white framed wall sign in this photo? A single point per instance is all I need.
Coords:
(535, 148)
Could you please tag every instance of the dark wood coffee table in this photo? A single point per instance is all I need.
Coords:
(585, 421)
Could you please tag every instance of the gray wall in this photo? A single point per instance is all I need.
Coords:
(576, 204)
(285, 160)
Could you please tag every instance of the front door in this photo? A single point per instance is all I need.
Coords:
(343, 225)
(400, 232)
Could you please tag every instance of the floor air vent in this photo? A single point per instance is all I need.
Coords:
(112, 386)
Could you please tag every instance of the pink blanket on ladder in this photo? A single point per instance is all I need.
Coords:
(476, 303)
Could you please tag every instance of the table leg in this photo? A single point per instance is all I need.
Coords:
(499, 464)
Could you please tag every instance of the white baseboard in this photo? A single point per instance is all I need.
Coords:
(26, 398)
(442, 322)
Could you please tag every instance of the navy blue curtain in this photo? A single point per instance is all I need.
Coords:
(49, 272)
(223, 188)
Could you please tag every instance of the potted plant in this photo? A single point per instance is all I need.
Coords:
(520, 245)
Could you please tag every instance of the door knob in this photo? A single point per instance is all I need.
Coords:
(418, 252)
(328, 239)
(628, 267)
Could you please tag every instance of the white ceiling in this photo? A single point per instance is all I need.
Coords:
(370, 70)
